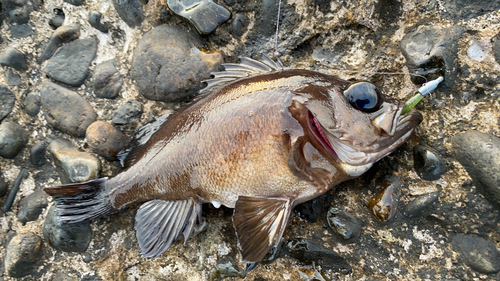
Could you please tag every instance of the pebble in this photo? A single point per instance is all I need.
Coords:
(31, 206)
(419, 204)
(19, 10)
(58, 19)
(167, 64)
(21, 31)
(344, 225)
(225, 269)
(427, 163)
(3, 185)
(130, 112)
(7, 101)
(105, 140)
(13, 138)
(130, 11)
(476, 252)
(107, 80)
(13, 79)
(383, 205)
(23, 252)
(496, 47)
(239, 24)
(75, 2)
(66, 237)
(14, 58)
(32, 103)
(95, 22)
(479, 154)
(204, 15)
(66, 110)
(63, 34)
(37, 154)
(72, 164)
(70, 63)
(14, 190)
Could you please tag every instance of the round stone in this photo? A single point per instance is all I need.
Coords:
(31, 206)
(23, 252)
(13, 138)
(419, 204)
(105, 140)
(428, 164)
(107, 80)
(478, 253)
(7, 100)
(129, 112)
(344, 225)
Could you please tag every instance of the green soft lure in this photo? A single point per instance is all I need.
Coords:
(423, 91)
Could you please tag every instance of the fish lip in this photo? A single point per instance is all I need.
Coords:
(320, 134)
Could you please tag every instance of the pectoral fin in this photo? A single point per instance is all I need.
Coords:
(260, 223)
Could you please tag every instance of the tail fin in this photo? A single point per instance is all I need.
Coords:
(80, 202)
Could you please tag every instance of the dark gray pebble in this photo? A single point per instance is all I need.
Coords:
(107, 80)
(129, 112)
(496, 47)
(95, 22)
(427, 163)
(23, 252)
(419, 204)
(58, 19)
(13, 79)
(130, 11)
(167, 65)
(63, 34)
(31, 206)
(479, 153)
(13, 138)
(66, 237)
(19, 10)
(240, 23)
(14, 58)
(31, 104)
(478, 253)
(344, 225)
(7, 100)
(13, 191)
(20, 31)
(3, 185)
(70, 64)
(205, 15)
(72, 164)
(66, 110)
(105, 140)
(37, 154)
(75, 2)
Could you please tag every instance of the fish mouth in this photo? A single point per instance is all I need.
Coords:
(321, 135)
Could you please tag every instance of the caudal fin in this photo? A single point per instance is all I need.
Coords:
(80, 202)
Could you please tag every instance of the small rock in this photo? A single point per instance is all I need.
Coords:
(129, 112)
(95, 22)
(428, 164)
(70, 64)
(105, 140)
(37, 155)
(130, 11)
(496, 47)
(66, 110)
(107, 80)
(384, 204)
(479, 153)
(225, 269)
(72, 164)
(13, 138)
(13, 79)
(75, 2)
(20, 31)
(417, 205)
(14, 58)
(3, 185)
(23, 252)
(63, 34)
(205, 15)
(32, 104)
(240, 22)
(344, 225)
(167, 64)
(58, 19)
(19, 10)
(66, 237)
(31, 206)
(7, 100)
(478, 253)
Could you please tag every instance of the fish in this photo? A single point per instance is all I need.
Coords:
(259, 138)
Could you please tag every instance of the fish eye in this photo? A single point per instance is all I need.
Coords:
(364, 96)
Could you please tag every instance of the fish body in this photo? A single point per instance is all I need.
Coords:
(260, 139)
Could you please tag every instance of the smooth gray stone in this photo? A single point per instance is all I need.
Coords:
(23, 252)
(13, 138)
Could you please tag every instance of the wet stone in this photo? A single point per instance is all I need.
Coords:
(105, 140)
(168, 64)
(479, 154)
(13, 138)
(384, 204)
(419, 204)
(23, 252)
(63, 34)
(20, 31)
(70, 63)
(31, 104)
(7, 100)
(31, 206)
(14, 58)
(476, 252)
(428, 164)
(37, 154)
(344, 225)
(72, 164)
(66, 237)
(95, 22)
(204, 15)
(130, 11)
(107, 80)
(58, 19)
(3, 185)
(13, 79)
(65, 110)
(129, 112)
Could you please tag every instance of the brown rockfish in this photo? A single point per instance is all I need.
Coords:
(259, 138)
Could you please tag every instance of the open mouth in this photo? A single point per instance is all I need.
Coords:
(320, 135)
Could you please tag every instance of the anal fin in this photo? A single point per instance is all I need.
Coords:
(260, 223)
(159, 223)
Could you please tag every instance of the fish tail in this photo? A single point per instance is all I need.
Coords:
(81, 202)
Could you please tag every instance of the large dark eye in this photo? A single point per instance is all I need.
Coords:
(364, 96)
